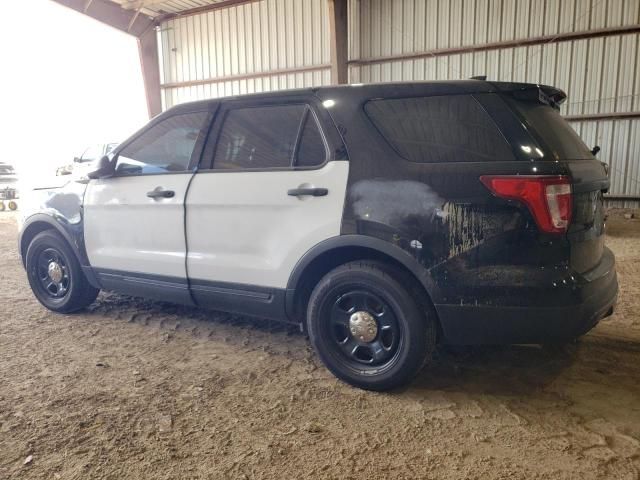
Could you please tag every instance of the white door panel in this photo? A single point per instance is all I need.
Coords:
(242, 227)
(128, 231)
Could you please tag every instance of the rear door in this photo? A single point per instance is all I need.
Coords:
(134, 221)
(271, 187)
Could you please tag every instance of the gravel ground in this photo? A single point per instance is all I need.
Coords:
(141, 389)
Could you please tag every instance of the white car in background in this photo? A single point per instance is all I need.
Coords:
(84, 162)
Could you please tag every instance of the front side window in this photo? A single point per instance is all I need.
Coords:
(452, 128)
(267, 137)
(165, 147)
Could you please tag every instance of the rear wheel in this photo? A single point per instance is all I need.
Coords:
(55, 275)
(368, 328)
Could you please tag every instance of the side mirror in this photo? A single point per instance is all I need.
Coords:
(595, 150)
(103, 169)
(77, 159)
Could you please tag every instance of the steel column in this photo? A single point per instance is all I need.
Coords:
(149, 63)
(338, 37)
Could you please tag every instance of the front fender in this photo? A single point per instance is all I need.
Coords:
(72, 233)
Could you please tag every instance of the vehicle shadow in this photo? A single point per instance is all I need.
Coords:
(500, 370)
(517, 370)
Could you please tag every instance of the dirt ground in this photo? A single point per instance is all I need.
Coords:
(139, 389)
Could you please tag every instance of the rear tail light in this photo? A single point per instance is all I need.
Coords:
(547, 196)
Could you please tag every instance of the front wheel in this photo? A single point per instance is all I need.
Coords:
(368, 327)
(55, 275)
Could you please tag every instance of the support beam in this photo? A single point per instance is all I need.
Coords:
(134, 23)
(203, 9)
(589, 117)
(338, 36)
(486, 47)
(112, 14)
(149, 62)
(138, 4)
(247, 76)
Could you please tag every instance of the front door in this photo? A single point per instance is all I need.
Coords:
(134, 221)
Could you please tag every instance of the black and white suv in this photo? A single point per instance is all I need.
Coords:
(381, 218)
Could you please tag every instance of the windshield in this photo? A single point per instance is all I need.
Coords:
(552, 130)
(91, 154)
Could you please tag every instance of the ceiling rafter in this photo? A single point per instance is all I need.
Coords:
(112, 14)
(138, 4)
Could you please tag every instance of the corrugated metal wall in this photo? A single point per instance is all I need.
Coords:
(277, 44)
(214, 52)
(601, 75)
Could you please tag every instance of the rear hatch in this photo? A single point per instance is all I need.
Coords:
(537, 107)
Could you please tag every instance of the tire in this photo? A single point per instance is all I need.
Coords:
(49, 257)
(2, 206)
(13, 205)
(342, 311)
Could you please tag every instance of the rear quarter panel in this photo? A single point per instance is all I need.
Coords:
(476, 249)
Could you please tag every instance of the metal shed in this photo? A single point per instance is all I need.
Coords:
(195, 49)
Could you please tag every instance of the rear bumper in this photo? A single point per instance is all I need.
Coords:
(576, 309)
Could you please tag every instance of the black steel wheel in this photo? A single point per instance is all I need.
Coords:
(55, 275)
(364, 328)
(367, 326)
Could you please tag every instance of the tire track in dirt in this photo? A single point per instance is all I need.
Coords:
(133, 388)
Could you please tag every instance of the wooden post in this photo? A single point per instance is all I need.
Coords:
(338, 34)
(148, 50)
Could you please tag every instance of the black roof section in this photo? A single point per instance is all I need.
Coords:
(384, 90)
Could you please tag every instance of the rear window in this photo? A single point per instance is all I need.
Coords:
(452, 128)
(552, 130)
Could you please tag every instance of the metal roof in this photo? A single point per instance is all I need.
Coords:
(161, 8)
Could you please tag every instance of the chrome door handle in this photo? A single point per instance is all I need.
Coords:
(314, 192)
(160, 193)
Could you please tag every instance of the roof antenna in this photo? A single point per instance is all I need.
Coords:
(479, 77)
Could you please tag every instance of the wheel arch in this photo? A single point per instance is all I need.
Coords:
(72, 234)
(32, 227)
(336, 251)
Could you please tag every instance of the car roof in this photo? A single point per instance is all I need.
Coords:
(375, 90)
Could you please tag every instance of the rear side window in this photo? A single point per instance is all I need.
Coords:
(452, 128)
(311, 150)
(165, 147)
(552, 130)
(277, 136)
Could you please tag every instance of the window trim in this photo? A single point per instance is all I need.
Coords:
(198, 148)
(400, 155)
(303, 124)
(206, 165)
